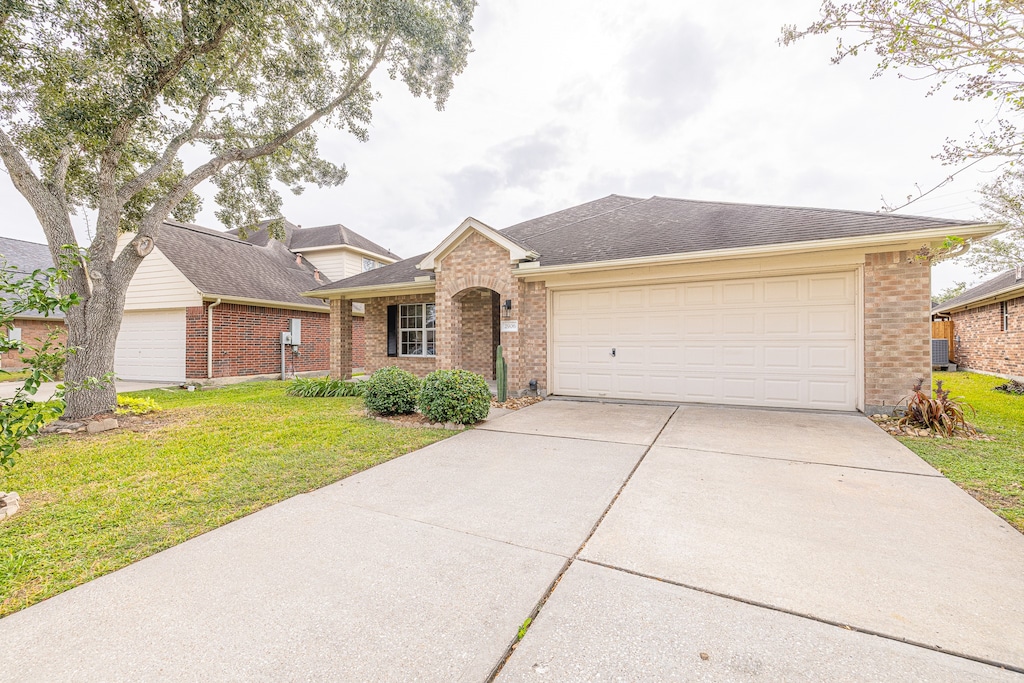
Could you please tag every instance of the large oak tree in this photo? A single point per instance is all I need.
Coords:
(976, 49)
(121, 108)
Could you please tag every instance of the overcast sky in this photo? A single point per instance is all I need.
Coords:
(564, 102)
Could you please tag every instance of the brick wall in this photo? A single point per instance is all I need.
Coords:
(33, 332)
(897, 327)
(479, 324)
(375, 332)
(247, 341)
(533, 331)
(358, 342)
(984, 345)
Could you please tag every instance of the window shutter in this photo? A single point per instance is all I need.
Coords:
(392, 331)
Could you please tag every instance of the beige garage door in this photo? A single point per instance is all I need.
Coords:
(782, 341)
(151, 346)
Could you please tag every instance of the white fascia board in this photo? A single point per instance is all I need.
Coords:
(1012, 292)
(346, 247)
(374, 291)
(313, 308)
(516, 252)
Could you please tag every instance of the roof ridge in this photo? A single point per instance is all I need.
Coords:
(818, 208)
(208, 232)
(596, 215)
(15, 239)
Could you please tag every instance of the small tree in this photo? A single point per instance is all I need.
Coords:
(102, 104)
(22, 416)
(976, 48)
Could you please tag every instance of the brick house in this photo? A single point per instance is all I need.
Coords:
(208, 305)
(31, 327)
(988, 325)
(664, 299)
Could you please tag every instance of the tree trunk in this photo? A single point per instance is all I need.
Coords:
(92, 334)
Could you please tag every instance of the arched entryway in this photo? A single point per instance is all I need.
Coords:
(479, 325)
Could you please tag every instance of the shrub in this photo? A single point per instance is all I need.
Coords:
(131, 405)
(941, 413)
(455, 396)
(391, 391)
(317, 387)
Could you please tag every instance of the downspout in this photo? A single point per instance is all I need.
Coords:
(209, 338)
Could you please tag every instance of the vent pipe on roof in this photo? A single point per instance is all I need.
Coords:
(298, 259)
(1020, 267)
(316, 274)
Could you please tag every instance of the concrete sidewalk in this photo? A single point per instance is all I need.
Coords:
(46, 389)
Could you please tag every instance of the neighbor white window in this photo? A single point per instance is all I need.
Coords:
(1004, 315)
(369, 264)
(416, 330)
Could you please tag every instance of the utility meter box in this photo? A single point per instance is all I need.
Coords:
(295, 330)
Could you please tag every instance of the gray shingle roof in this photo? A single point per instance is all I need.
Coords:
(219, 264)
(297, 239)
(999, 283)
(27, 257)
(617, 227)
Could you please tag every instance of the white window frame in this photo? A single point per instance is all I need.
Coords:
(369, 264)
(424, 330)
(1004, 315)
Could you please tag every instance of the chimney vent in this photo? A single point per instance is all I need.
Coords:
(298, 259)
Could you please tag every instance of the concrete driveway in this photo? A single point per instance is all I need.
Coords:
(658, 543)
(46, 389)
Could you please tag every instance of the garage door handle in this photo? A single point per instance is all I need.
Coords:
(613, 353)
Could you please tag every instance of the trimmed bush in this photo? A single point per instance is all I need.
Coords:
(455, 396)
(132, 405)
(317, 387)
(391, 391)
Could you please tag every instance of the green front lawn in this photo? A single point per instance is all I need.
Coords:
(991, 471)
(93, 504)
(13, 375)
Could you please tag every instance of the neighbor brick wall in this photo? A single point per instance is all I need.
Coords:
(247, 341)
(33, 332)
(897, 326)
(984, 345)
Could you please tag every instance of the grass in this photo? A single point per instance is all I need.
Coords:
(94, 504)
(991, 471)
(13, 375)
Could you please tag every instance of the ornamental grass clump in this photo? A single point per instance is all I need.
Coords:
(321, 387)
(455, 396)
(391, 391)
(940, 413)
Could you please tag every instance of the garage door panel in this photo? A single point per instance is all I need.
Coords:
(789, 341)
(151, 346)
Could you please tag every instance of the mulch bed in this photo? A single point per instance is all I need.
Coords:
(891, 425)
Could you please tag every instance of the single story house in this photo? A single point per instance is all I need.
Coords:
(336, 251)
(665, 299)
(988, 325)
(31, 327)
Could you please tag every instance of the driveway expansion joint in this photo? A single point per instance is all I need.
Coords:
(810, 617)
(936, 475)
(568, 563)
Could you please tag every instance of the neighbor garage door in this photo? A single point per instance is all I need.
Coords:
(782, 341)
(151, 346)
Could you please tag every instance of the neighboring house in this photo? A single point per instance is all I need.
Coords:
(988, 325)
(337, 252)
(198, 280)
(665, 299)
(31, 327)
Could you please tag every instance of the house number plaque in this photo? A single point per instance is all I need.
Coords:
(509, 325)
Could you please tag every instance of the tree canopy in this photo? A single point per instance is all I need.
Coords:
(123, 107)
(975, 49)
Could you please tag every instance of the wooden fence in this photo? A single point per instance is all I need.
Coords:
(943, 329)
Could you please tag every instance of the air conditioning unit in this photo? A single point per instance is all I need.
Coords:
(940, 352)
